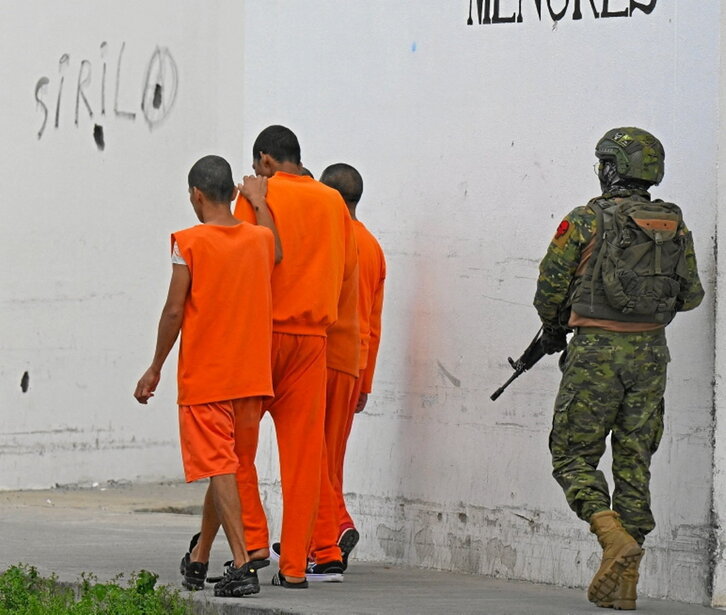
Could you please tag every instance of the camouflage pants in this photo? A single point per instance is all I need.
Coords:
(612, 383)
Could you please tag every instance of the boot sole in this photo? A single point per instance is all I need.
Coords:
(624, 605)
(605, 583)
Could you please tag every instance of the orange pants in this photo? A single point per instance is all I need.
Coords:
(213, 436)
(342, 391)
(344, 519)
(298, 411)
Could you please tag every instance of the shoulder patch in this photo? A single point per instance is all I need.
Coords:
(562, 235)
(562, 229)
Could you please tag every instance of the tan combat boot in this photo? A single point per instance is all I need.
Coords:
(619, 550)
(626, 594)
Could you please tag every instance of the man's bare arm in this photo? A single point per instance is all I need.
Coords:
(254, 189)
(169, 327)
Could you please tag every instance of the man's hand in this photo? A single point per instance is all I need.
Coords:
(254, 189)
(147, 385)
(362, 400)
(554, 339)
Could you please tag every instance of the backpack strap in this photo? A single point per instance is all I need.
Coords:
(599, 206)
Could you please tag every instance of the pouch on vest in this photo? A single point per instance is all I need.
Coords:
(639, 263)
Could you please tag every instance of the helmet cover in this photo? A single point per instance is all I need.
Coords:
(636, 152)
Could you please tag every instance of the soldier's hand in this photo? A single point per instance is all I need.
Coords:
(554, 339)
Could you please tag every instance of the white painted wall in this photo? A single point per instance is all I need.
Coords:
(473, 142)
(84, 237)
(719, 434)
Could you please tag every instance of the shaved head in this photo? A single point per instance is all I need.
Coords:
(346, 180)
(278, 142)
(213, 176)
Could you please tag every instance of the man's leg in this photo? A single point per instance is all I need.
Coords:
(247, 428)
(209, 529)
(638, 431)
(585, 409)
(207, 441)
(346, 521)
(325, 550)
(338, 390)
(229, 512)
(587, 404)
(299, 413)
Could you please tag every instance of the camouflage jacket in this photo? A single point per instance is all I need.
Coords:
(558, 267)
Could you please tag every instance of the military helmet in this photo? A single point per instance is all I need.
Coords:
(636, 152)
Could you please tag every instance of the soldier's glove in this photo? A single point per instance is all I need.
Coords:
(554, 339)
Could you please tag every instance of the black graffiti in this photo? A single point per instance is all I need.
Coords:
(42, 83)
(98, 137)
(500, 11)
(161, 87)
(158, 93)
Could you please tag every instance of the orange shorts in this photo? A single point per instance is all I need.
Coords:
(207, 435)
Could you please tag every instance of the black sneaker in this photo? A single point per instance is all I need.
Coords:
(193, 573)
(347, 542)
(257, 563)
(329, 572)
(281, 581)
(238, 582)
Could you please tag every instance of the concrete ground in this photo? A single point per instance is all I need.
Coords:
(112, 530)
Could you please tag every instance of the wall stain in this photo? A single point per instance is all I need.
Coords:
(465, 553)
(448, 375)
(391, 541)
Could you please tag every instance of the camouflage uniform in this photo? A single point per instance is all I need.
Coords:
(612, 383)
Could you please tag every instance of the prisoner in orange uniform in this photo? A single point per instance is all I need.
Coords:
(220, 299)
(316, 233)
(344, 402)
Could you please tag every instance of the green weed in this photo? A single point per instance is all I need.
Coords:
(24, 592)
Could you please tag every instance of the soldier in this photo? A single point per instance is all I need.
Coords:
(617, 293)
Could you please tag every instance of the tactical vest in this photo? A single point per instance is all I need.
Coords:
(638, 263)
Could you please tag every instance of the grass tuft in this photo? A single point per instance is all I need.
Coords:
(24, 592)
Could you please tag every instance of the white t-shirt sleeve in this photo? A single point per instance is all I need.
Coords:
(176, 257)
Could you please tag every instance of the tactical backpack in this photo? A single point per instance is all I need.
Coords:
(638, 263)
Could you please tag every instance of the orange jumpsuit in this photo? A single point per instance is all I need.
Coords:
(319, 253)
(226, 337)
(371, 276)
(343, 359)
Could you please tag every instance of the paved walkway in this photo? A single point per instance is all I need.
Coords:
(119, 529)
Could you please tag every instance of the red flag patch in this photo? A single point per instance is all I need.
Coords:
(562, 229)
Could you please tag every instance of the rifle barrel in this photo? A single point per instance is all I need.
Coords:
(501, 389)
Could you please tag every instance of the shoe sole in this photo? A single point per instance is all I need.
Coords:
(279, 581)
(604, 584)
(348, 540)
(238, 592)
(328, 577)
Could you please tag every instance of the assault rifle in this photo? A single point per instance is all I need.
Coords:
(533, 353)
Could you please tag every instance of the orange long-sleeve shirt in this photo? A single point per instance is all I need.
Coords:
(372, 275)
(319, 252)
(344, 347)
(226, 334)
